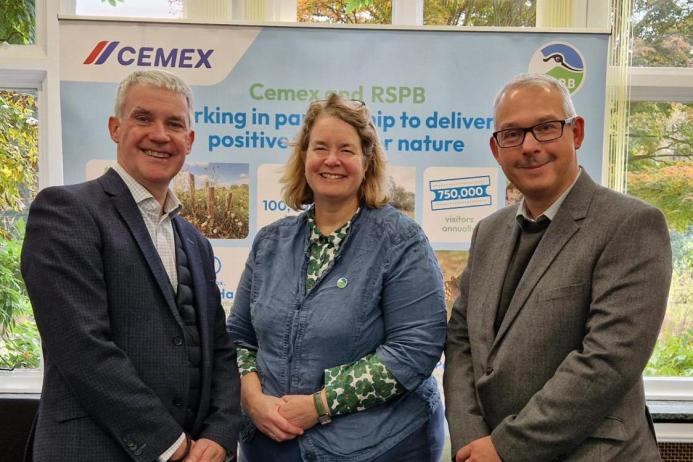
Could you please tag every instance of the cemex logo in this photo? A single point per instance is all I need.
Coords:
(149, 56)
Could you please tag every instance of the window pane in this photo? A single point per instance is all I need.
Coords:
(128, 8)
(517, 13)
(19, 340)
(17, 22)
(345, 11)
(660, 171)
(663, 33)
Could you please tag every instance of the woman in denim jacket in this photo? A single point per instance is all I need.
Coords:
(339, 316)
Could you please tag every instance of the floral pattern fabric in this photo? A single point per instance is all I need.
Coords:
(359, 386)
(322, 249)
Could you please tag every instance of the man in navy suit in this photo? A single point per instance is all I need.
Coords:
(138, 365)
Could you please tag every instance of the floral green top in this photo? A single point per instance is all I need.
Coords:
(350, 387)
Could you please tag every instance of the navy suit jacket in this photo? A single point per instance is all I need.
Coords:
(116, 367)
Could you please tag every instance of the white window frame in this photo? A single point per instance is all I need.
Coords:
(665, 84)
(36, 67)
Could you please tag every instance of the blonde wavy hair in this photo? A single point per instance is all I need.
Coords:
(372, 192)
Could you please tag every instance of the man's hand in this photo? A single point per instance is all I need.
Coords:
(205, 450)
(481, 450)
(299, 410)
(181, 449)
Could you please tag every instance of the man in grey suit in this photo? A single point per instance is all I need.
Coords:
(561, 302)
(138, 364)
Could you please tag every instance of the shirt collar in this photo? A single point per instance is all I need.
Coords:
(335, 237)
(144, 199)
(551, 212)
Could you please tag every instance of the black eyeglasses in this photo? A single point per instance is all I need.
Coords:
(545, 131)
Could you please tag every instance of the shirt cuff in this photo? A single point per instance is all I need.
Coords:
(169, 452)
(246, 361)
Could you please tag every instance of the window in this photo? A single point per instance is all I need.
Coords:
(663, 33)
(345, 11)
(19, 23)
(485, 13)
(167, 9)
(19, 340)
(29, 135)
(660, 171)
(660, 166)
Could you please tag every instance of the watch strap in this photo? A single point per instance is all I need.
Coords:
(323, 414)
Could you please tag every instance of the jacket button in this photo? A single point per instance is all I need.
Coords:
(178, 402)
(489, 370)
(177, 341)
(132, 445)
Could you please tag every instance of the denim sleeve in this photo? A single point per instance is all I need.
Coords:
(238, 324)
(413, 304)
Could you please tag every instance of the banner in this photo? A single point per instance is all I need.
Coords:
(430, 92)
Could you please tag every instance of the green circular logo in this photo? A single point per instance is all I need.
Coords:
(562, 61)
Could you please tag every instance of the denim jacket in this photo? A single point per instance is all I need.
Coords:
(389, 300)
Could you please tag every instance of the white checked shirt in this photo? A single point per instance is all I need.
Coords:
(158, 223)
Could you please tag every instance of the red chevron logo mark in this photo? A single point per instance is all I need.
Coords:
(95, 52)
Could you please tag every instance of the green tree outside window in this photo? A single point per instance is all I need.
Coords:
(18, 22)
(660, 171)
(19, 339)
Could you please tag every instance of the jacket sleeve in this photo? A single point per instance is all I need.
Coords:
(64, 274)
(239, 324)
(465, 421)
(413, 304)
(223, 420)
(630, 284)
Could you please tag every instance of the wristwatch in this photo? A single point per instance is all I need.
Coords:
(323, 414)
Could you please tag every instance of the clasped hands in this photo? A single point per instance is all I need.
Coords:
(284, 418)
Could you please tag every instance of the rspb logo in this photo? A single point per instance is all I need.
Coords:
(192, 58)
(562, 61)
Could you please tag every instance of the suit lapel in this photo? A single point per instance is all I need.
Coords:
(496, 262)
(564, 225)
(127, 208)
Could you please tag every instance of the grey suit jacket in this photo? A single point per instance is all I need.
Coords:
(562, 378)
(116, 367)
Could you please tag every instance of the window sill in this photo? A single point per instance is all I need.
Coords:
(21, 381)
(669, 388)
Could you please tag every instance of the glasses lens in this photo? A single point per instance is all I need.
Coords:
(509, 138)
(548, 131)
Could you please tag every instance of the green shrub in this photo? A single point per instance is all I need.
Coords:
(19, 338)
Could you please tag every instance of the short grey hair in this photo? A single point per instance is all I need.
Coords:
(538, 80)
(155, 78)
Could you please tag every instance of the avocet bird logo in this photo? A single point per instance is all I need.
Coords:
(562, 61)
